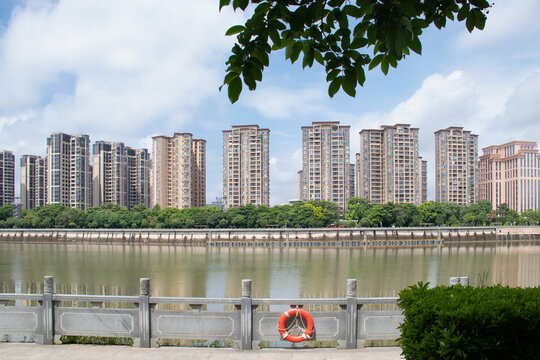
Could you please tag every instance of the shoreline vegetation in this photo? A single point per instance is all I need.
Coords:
(310, 214)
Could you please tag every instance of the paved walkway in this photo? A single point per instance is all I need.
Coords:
(109, 352)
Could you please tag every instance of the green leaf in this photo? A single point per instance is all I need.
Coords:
(349, 87)
(223, 3)
(262, 8)
(482, 4)
(392, 60)
(274, 36)
(401, 41)
(308, 54)
(463, 12)
(242, 4)
(334, 86)
(384, 65)
(262, 56)
(229, 77)
(359, 43)
(376, 61)
(332, 74)
(360, 29)
(353, 11)
(318, 57)
(415, 45)
(296, 49)
(471, 20)
(360, 75)
(235, 88)
(235, 30)
(480, 18)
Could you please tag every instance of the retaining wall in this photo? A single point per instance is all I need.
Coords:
(274, 237)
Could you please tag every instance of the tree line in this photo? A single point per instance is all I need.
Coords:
(310, 214)
(433, 213)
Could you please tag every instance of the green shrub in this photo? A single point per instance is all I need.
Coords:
(96, 340)
(470, 323)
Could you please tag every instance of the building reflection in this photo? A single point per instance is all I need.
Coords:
(186, 271)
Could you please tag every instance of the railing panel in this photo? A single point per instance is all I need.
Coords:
(20, 320)
(379, 324)
(96, 322)
(220, 325)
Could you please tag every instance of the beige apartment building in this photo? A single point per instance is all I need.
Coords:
(120, 175)
(456, 166)
(33, 181)
(510, 173)
(246, 166)
(327, 173)
(7, 177)
(139, 166)
(389, 167)
(69, 175)
(178, 171)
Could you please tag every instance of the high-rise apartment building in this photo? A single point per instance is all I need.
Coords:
(456, 166)
(33, 181)
(179, 171)
(510, 173)
(7, 177)
(139, 168)
(424, 181)
(390, 167)
(69, 175)
(246, 166)
(326, 169)
(121, 175)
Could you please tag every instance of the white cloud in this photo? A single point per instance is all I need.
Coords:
(114, 69)
(509, 22)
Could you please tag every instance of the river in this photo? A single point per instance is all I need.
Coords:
(276, 272)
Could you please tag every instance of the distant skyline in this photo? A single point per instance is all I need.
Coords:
(127, 70)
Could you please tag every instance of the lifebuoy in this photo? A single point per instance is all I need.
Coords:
(296, 312)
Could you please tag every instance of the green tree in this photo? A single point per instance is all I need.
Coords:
(358, 208)
(407, 215)
(346, 37)
(6, 212)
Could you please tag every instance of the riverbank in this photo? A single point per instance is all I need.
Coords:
(14, 351)
(318, 237)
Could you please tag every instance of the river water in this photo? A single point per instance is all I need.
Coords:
(276, 272)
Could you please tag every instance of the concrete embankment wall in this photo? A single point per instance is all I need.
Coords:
(270, 237)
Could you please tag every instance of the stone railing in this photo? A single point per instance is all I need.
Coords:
(247, 322)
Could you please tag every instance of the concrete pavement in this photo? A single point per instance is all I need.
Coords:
(109, 352)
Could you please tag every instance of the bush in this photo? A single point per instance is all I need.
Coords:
(96, 340)
(475, 323)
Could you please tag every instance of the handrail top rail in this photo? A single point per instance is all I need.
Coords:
(193, 300)
(95, 298)
(18, 296)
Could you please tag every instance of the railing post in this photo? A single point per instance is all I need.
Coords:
(144, 313)
(352, 314)
(246, 315)
(48, 310)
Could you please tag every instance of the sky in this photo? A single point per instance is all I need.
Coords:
(127, 70)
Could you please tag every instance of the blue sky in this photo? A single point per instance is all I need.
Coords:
(126, 70)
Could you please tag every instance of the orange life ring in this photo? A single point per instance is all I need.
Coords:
(296, 312)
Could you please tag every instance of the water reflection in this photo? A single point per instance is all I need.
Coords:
(279, 272)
